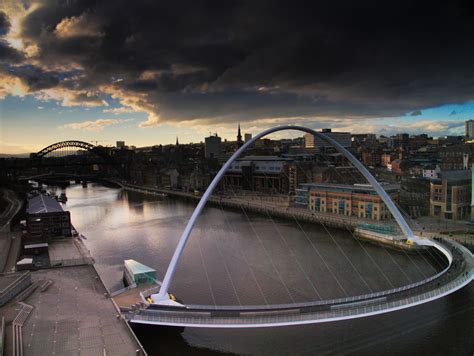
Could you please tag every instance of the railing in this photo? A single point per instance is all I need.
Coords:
(23, 314)
(298, 317)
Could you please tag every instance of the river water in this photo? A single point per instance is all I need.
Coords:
(235, 258)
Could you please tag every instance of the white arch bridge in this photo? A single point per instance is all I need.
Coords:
(163, 311)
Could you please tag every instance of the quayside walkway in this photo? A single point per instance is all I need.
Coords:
(459, 274)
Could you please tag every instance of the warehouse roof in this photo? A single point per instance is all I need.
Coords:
(41, 204)
(456, 175)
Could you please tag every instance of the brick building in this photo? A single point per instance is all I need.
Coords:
(359, 200)
(450, 195)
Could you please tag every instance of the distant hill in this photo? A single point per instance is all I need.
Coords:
(14, 155)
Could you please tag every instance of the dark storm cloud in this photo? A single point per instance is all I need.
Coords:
(416, 113)
(4, 24)
(35, 78)
(9, 54)
(228, 59)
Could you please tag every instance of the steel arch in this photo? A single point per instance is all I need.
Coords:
(70, 143)
(162, 295)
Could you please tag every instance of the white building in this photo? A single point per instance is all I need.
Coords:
(431, 172)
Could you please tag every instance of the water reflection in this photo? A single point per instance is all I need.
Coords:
(234, 252)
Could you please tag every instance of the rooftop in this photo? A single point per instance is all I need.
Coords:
(456, 175)
(42, 204)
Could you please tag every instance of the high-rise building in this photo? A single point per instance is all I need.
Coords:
(212, 146)
(470, 128)
(248, 137)
(343, 138)
(120, 144)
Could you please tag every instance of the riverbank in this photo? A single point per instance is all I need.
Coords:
(64, 309)
(277, 209)
(121, 225)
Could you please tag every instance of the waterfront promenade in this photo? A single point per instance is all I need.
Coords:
(73, 315)
(65, 310)
(265, 207)
(280, 208)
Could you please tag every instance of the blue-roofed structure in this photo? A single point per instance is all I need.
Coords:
(138, 273)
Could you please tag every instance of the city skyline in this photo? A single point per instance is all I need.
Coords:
(236, 177)
(72, 70)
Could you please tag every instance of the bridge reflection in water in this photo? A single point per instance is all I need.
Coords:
(164, 311)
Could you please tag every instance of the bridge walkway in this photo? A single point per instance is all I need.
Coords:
(459, 275)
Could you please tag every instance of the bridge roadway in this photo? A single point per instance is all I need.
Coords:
(457, 275)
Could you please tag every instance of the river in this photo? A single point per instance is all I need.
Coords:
(234, 258)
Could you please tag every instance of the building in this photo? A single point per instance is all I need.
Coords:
(450, 195)
(371, 158)
(366, 138)
(456, 157)
(169, 178)
(417, 141)
(343, 138)
(396, 166)
(359, 200)
(261, 173)
(386, 159)
(120, 144)
(46, 220)
(212, 146)
(430, 172)
(248, 137)
(470, 128)
(399, 140)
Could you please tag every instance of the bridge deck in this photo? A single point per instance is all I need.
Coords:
(459, 275)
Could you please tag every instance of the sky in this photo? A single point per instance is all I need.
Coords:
(147, 72)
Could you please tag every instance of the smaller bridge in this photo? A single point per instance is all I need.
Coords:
(66, 144)
(63, 148)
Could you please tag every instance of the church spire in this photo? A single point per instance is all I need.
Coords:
(177, 142)
(239, 137)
